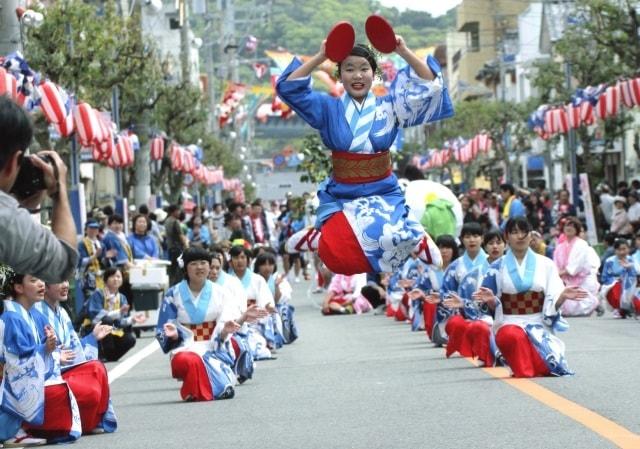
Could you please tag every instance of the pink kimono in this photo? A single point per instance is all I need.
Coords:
(581, 263)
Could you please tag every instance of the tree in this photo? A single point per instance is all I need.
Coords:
(180, 112)
(505, 122)
(301, 26)
(94, 52)
(316, 162)
(601, 43)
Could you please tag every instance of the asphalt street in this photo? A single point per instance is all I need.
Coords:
(369, 382)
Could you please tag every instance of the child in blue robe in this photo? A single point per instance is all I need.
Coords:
(365, 223)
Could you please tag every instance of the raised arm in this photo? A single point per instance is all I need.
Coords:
(417, 64)
(305, 69)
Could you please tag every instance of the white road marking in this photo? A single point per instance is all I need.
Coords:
(123, 367)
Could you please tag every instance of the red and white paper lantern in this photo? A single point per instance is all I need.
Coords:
(609, 102)
(51, 102)
(157, 148)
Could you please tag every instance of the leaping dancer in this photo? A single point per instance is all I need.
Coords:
(363, 222)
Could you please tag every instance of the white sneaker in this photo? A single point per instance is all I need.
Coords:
(23, 439)
(297, 280)
(304, 240)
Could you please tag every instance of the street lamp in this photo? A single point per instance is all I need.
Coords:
(196, 42)
(29, 17)
(154, 5)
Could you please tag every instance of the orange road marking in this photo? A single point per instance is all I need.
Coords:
(604, 427)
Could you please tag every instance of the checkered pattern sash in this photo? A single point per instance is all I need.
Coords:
(527, 303)
(203, 331)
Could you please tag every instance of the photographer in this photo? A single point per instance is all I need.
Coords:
(25, 245)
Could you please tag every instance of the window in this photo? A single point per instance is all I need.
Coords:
(474, 35)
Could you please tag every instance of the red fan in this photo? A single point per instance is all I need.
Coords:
(380, 33)
(340, 41)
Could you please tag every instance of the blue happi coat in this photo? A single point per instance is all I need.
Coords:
(27, 369)
(179, 307)
(375, 210)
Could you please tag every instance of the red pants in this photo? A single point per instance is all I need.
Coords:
(429, 313)
(403, 307)
(517, 350)
(90, 386)
(479, 337)
(339, 248)
(456, 328)
(614, 294)
(57, 414)
(236, 347)
(189, 367)
(390, 312)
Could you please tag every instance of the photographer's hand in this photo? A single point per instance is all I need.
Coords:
(54, 177)
(62, 223)
(32, 203)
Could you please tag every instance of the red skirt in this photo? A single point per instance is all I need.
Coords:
(57, 414)
(517, 350)
(339, 248)
(456, 328)
(189, 367)
(429, 314)
(478, 336)
(90, 385)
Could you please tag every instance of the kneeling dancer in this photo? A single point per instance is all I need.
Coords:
(526, 293)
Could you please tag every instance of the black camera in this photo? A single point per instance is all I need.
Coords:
(30, 179)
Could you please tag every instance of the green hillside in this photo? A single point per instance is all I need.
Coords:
(300, 26)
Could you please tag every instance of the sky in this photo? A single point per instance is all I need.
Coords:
(434, 7)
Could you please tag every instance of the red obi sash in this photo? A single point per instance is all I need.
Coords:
(527, 303)
(203, 331)
(357, 168)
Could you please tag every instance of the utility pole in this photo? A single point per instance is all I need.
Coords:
(501, 49)
(9, 27)
(231, 47)
(214, 126)
(185, 45)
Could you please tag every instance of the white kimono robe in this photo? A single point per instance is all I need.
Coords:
(543, 274)
(257, 291)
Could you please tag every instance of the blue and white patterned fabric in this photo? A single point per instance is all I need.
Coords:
(28, 369)
(469, 284)
(180, 307)
(85, 349)
(613, 271)
(25, 365)
(536, 273)
(453, 277)
(376, 210)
